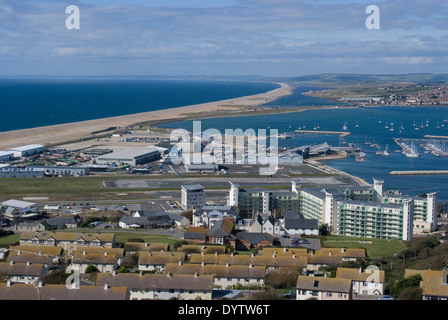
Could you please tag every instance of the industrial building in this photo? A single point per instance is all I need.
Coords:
(42, 171)
(26, 151)
(131, 157)
(6, 156)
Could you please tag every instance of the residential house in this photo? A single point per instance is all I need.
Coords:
(54, 252)
(136, 247)
(164, 217)
(68, 240)
(63, 222)
(196, 234)
(322, 288)
(160, 286)
(224, 276)
(156, 261)
(30, 226)
(30, 258)
(106, 262)
(207, 216)
(316, 261)
(250, 240)
(221, 233)
(212, 249)
(22, 272)
(41, 291)
(434, 283)
(367, 282)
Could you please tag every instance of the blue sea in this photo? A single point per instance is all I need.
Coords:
(34, 103)
(371, 124)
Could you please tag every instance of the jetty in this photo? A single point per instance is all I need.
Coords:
(340, 133)
(418, 172)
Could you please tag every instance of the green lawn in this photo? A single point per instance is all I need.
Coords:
(375, 247)
(10, 239)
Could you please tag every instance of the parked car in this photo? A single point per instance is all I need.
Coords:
(386, 297)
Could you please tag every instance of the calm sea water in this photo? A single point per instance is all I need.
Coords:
(35, 103)
(365, 125)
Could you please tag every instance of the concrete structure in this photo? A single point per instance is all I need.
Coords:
(193, 196)
(131, 157)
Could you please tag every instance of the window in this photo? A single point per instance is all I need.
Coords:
(329, 294)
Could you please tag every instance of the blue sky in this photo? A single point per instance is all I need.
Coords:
(222, 37)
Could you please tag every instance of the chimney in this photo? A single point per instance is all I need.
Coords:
(149, 253)
(105, 253)
(180, 262)
(202, 264)
(284, 249)
(40, 284)
(8, 283)
(84, 252)
(216, 253)
(114, 273)
(146, 244)
(360, 270)
(40, 253)
(195, 274)
(330, 253)
(11, 262)
(293, 255)
(168, 274)
(28, 263)
(203, 248)
(251, 265)
(342, 250)
(106, 287)
(227, 265)
(19, 253)
(252, 255)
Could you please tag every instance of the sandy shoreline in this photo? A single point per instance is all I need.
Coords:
(56, 134)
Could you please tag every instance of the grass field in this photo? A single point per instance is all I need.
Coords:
(375, 247)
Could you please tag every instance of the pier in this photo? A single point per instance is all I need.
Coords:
(418, 172)
(340, 133)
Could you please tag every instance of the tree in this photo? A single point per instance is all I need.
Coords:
(409, 282)
(325, 229)
(91, 269)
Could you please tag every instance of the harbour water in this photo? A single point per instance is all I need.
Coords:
(366, 125)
